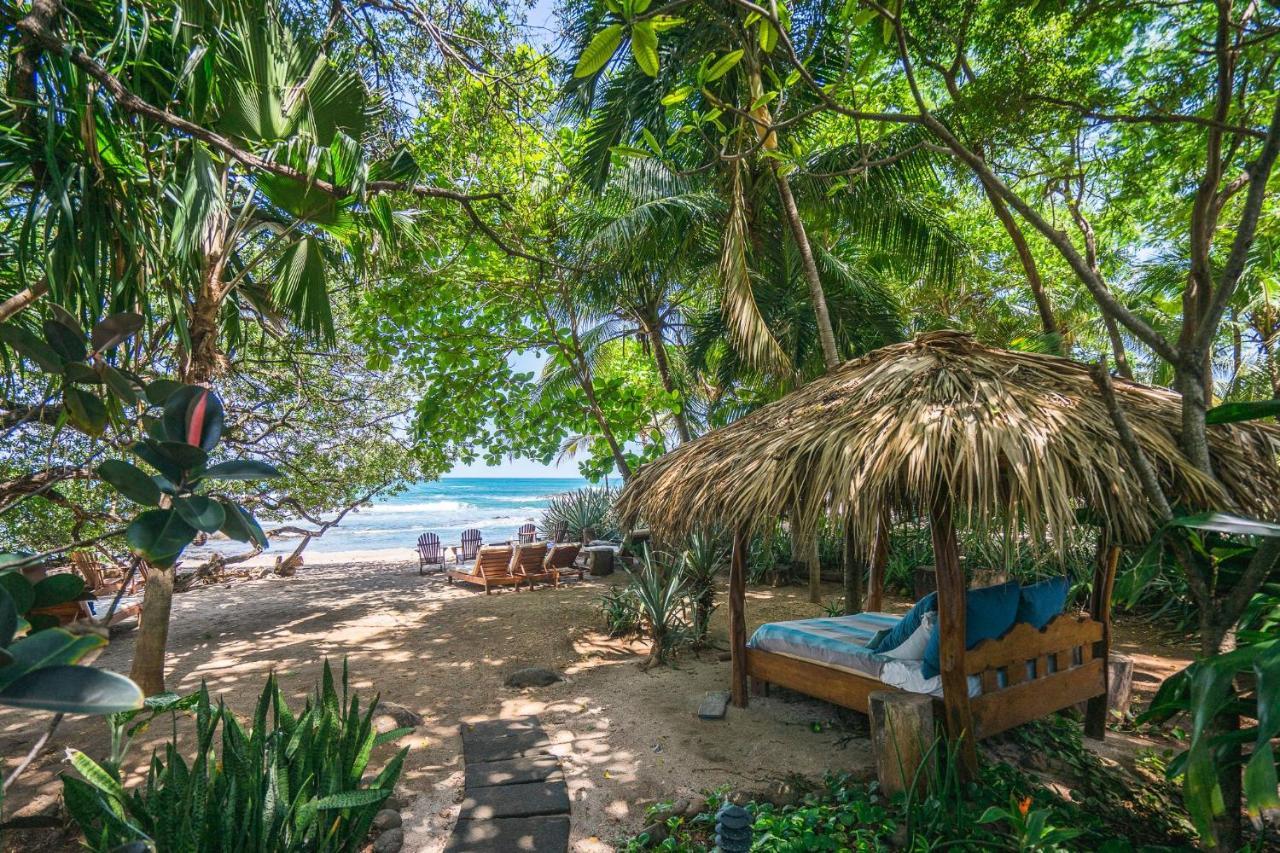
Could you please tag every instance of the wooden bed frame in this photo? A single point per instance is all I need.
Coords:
(1010, 695)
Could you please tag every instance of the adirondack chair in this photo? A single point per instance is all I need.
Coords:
(471, 541)
(529, 563)
(492, 568)
(429, 552)
(560, 561)
(95, 580)
(527, 533)
(560, 533)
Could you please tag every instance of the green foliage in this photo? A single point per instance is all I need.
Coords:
(660, 590)
(620, 607)
(284, 783)
(703, 558)
(578, 511)
(39, 662)
(1005, 809)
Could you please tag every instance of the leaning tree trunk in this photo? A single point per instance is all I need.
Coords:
(153, 632)
(653, 331)
(763, 122)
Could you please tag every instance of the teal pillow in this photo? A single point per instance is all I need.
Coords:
(988, 613)
(1040, 602)
(906, 626)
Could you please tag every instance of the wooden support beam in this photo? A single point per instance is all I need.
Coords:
(852, 573)
(879, 561)
(951, 628)
(737, 618)
(902, 736)
(1104, 581)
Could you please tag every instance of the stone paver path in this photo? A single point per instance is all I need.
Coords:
(515, 796)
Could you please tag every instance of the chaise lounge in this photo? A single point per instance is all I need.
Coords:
(492, 568)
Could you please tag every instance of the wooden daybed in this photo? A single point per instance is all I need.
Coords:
(1019, 684)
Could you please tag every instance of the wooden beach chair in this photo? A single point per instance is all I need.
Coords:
(95, 579)
(471, 541)
(526, 533)
(529, 563)
(492, 568)
(560, 560)
(429, 552)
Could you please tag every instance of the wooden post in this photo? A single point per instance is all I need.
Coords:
(852, 574)
(879, 560)
(951, 628)
(902, 735)
(1104, 581)
(737, 618)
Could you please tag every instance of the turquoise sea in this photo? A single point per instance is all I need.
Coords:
(446, 507)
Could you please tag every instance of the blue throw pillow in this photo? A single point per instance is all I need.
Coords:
(1040, 602)
(907, 626)
(988, 613)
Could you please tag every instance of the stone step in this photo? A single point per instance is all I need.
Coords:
(524, 799)
(477, 748)
(503, 835)
(512, 771)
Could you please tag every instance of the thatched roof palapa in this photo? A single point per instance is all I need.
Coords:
(1010, 435)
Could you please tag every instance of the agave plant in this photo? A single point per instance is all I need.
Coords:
(285, 784)
(581, 515)
(659, 587)
(704, 557)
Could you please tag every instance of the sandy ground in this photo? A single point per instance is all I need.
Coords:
(627, 737)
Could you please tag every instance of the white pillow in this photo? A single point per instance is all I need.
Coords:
(912, 648)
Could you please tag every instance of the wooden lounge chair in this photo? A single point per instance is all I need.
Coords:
(429, 552)
(492, 568)
(526, 533)
(529, 563)
(95, 579)
(560, 561)
(471, 541)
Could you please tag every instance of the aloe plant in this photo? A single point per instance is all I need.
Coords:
(286, 783)
(581, 514)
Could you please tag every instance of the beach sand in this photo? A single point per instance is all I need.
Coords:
(627, 737)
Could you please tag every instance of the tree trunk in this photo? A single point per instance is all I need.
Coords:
(769, 141)
(1048, 321)
(653, 331)
(853, 569)
(153, 632)
(826, 334)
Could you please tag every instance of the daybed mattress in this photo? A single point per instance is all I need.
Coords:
(837, 641)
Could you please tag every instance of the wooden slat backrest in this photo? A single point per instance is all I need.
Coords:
(562, 556)
(88, 567)
(493, 561)
(429, 546)
(527, 533)
(529, 559)
(470, 544)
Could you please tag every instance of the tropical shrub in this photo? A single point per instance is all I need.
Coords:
(287, 783)
(579, 511)
(621, 610)
(659, 588)
(704, 556)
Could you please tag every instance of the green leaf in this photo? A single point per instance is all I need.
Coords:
(66, 341)
(58, 589)
(28, 345)
(241, 469)
(78, 371)
(393, 734)
(644, 47)
(130, 481)
(351, 799)
(51, 647)
(96, 776)
(723, 65)
(662, 23)
(160, 390)
(677, 96)
(768, 36)
(201, 513)
(119, 384)
(21, 591)
(1246, 411)
(1225, 522)
(599, 51)
(73, 690)
(85, 410)
(159, 535)
(186, 456)
(113, 330)
(241, 526)
(148, 451)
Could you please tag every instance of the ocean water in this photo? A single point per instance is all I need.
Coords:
(391, 526)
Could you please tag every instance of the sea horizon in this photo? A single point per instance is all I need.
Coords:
(388, 528)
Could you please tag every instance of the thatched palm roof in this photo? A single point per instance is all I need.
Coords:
(1010, 435)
